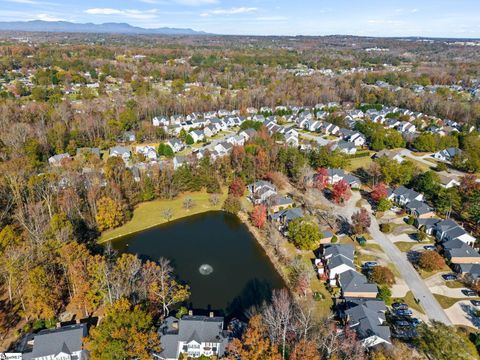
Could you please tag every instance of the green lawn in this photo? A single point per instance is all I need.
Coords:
(426, 274)
(405, 246)
(357, 163)
(446, 302)
(409, 299)
(149, 214)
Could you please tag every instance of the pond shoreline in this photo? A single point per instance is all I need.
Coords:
(260, 238)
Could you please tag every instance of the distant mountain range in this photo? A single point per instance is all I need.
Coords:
(110, 28)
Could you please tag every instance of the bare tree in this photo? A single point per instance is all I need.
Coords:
(279, 316)
(167, 214)
(188, 203)
(214, 199)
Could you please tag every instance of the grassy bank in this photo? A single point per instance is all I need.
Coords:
(149, 214)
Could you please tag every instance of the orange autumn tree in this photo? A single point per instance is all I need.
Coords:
(258, 216)
(254, 344)
(125, 332)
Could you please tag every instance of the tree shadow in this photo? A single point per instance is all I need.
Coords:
(254, 294)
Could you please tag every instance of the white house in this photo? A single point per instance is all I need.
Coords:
(160, 121)
(148, 151)
(447, 154)
(197, 135)
(64, 343)
(120, 151)
(176, 145)
(192, 336)
(58, 160)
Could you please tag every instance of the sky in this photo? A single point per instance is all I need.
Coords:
(429, 18)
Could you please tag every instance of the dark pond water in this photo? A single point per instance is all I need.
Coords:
(242, 274)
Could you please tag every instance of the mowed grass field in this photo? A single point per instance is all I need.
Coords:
(150, 214)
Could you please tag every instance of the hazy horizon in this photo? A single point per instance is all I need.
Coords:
(428, 18)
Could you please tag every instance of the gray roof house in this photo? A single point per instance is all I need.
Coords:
(471, 271)
(447, 154)
(367, 318)
(356, 285)
(403, 196)
(427, 225)
(193, 336)
(449, 230)
(57, 160)
(337, 259)
(419, 209)
(62, 343)
(285, 216)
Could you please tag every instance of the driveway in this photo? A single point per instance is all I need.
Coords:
(463, 313)
(418, 287)
(436, 284)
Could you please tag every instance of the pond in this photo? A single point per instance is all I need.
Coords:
(227, 270)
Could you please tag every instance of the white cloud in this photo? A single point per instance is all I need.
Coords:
(47, 17)
(128, 13)
(414, 11)
(231, 11)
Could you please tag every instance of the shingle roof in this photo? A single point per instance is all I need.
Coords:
(353, 281)
(367, 321)
(51, 342)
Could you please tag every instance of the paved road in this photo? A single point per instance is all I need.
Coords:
(318, 138)
(416, 284)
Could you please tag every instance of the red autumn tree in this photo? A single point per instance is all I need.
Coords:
(258, 216)
(361, 221)
(321, 178)
(341, 192)
(379, 192)
(237, 187)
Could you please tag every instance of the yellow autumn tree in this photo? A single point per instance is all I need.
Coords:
(110, 213)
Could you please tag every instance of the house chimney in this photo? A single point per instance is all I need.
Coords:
(211, 314)
(190, 312)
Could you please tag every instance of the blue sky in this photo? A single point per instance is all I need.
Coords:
(436, 18)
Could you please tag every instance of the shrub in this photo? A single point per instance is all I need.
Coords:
(382, 276)
(384, 205)
(385, 294)
(431, 261)
(232, 205)
(334, 239)
(386, 228)
(410, 220)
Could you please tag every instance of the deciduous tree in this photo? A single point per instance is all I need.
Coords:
(341, 192)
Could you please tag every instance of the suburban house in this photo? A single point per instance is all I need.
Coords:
(260, 191)
(85, 151)
(345, 147)
(283, 217)
(336, 175)
(427, 225)
(129, 136)
(367, 318)
(148, 151)
(160, 121)
(210, 130)
(459, 253)
(403, 196)
(192, 336)
(176, 145)
(64, 343)
(59, 159)
(120, 151)
(447, 182)
(197, 135)
(448, 229)
(468, 271)
(178, 161)
(355, 285)
(419, 209)
(248, 134)
(447, 154)
(391, 155)
(223, 148)
(277, 203)
(335, 260)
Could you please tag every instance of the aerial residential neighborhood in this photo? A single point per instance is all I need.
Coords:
(223, 180)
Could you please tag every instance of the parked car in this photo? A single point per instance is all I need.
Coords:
(430, 248)
(475, 302)
(402, 323)
(449, 277)
(399, 306)
(415, 322)
(468, 292)
(406, 312)
(370, 264)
